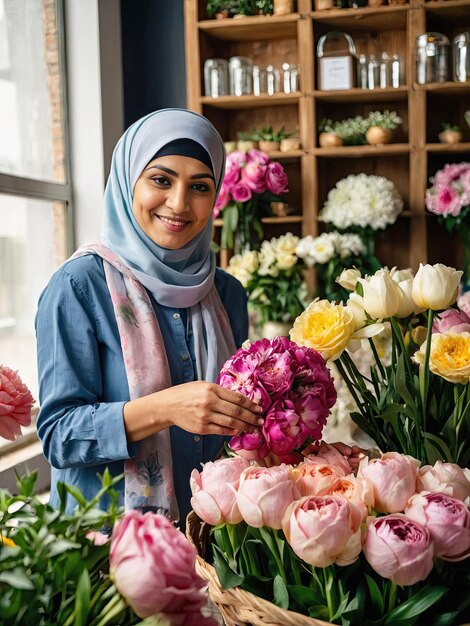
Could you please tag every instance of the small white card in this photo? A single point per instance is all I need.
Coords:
(336, 73)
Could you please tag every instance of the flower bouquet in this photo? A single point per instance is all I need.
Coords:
(251, 182)
(362, 204)
(273, 279)
(332, 532)
(449, 199)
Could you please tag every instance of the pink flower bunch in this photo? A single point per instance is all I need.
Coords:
(249, 173)
(400, 516)
(152, 565)
(16, 402)
(450, 192)
(293, 386)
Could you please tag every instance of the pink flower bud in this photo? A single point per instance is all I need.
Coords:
(16, 402)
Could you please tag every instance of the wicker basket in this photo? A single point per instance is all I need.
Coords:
(238, 607)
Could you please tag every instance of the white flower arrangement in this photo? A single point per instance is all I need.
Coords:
(362, 200)
(321, 249)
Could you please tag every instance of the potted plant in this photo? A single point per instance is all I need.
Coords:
(380, 126)
(229, 8)
(269, 139)
(350, 131)
(246, 141)
(264, 7)
(451, 133)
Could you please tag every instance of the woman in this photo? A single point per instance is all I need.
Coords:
(128, 329)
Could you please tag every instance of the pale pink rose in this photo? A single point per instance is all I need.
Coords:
(152, 565)
(312, 477)
(453, 319)
(323, 530)
(283, 429)
(463, 302)
(253, 176)
(276, 178)
(399, 549)
(97, 538)
(393, 480)
(233, 167)
(446, 478)
(222, 200)
(238, 158)
(264, 493)
(251, 446)
(258, 157)
(241, 192)
(355, 490)
(448, 522)
(16, 402)
(212, 499)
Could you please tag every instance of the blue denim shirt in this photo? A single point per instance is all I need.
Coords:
(83, 384)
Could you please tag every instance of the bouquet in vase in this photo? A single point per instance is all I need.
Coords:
(251, 182)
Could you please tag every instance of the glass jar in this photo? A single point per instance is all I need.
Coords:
(461, 57)
(216, 77)
(432, 51)
(272, 80)
(259, 80)
(241, 76)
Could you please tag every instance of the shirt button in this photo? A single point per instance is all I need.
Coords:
(185, 357)
(196, 438)
(176, 316)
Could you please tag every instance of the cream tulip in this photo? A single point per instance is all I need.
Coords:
(348, 278)
(407, 304)
(436, 286)
(382, 296)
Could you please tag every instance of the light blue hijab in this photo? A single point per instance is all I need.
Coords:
(176, 278)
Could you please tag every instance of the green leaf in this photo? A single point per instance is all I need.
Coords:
(305, 596)
(82, 599)
(60, 546)
(375, 595)
(77, 494)
(227, 577)
(26, 483)
(281, 596)
(16, 578)
(416, 605)
(319, 611)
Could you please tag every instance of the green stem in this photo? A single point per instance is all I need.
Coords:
(379, 363)
(392, 598)
(350, 385)
(114, 607)
(398, 334)
(278, 556)
(424, 373)
(328, 583)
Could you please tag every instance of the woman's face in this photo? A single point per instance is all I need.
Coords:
(173, 200)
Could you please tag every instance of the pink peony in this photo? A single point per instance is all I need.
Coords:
(323, 530)
(152, 565)
(325, 453)
(450, 173)
(233, 168)
(463, 302)
(241, 192)
(253, 176)
(239, 374)
(258, 157)
(446, 478)
(453, 319)
(264, 495)
(276, 178)
(251, 446)
(314, 478)
(283, 429)
(212, 499)
(16, 402)
(355, 490)
(399, 549)
(222, 199)
(447, 520)
(444, 201)
(393, 480)
(313, 409)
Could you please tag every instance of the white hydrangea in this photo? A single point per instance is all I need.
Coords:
(362, 200)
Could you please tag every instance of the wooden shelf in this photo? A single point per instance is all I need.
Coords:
(448, 9)
(256, 28)
(288, 219)
(248, 102)
(449, 88)
(363, 151)
(448, 147)
(277, 155)
(368, 18)
(389, 94)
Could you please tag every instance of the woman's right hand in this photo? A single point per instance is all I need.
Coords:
(198, 407)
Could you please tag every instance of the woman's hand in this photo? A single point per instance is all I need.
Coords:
(198, 407)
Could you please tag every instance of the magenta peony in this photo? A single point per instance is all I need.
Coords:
(447, 520)
(294, 387)
(16, 403)
(253, 175)
(323, 530)
(276, 178)
(212, 499)
(399, 548)
(152, 566)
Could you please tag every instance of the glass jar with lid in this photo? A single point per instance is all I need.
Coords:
(216, 77)
(461, 57)
(241, 76)
(432, 54)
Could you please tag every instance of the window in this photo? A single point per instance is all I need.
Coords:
(35, 208)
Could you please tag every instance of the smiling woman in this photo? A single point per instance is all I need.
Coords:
(132, 331)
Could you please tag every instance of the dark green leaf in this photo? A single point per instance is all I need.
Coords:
(16, 578)
(416, 605)
(375, 595)
(227, 577)
(82, 599)
(77, 494)
(303, 595)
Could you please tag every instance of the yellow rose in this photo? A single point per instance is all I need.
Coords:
(449, 356)
(436, 286)
(325, 327)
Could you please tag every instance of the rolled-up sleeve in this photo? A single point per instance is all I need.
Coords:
(76, 424)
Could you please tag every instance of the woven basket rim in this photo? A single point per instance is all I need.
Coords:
(237, 606)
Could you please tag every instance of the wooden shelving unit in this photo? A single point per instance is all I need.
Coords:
(414, 157)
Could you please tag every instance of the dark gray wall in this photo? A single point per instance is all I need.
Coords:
(153, 56)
